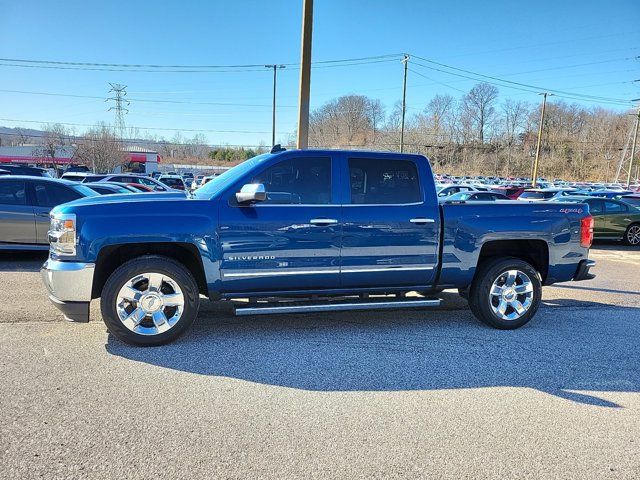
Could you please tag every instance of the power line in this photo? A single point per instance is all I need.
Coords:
(138, 127)
(532, 88)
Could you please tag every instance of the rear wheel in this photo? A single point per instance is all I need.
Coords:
(150, 300)
(632, 235)
(506, 293)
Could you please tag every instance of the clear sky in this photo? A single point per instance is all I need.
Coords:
(582, 47)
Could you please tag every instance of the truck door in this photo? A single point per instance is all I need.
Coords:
(391, 222)
(291, 240)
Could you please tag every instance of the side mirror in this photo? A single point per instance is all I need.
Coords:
(251, 192)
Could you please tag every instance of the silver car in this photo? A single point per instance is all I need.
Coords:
(25, 203)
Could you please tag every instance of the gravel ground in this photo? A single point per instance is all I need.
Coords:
(421, 393)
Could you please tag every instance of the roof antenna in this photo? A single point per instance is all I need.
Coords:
(277, 148)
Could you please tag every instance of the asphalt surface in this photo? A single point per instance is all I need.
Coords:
(421, 393)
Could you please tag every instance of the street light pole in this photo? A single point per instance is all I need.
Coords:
(534, 175)
(275, 76)
(305, 75)
(405, 60)
(633, 147)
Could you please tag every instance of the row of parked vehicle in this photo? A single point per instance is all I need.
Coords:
(27, 195)
(616, 211)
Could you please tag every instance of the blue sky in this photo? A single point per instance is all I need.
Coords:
(586, 47)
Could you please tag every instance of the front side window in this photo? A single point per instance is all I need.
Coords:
(50, 195)
(12, 192)
(595, 207)
(383, 182)
(305, 181)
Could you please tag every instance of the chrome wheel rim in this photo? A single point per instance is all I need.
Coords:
(150, 303)
(511, 295)
(633, 235)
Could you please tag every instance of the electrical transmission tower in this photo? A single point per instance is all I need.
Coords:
(120, 106)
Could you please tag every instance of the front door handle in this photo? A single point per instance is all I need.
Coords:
(323, 221)
(422, 220)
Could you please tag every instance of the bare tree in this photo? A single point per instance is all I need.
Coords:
(55, 139)
(101, 149)
(478, 105)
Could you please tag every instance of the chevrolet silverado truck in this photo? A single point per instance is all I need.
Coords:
(308, 231)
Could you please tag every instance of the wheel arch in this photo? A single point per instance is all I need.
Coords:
(112, 256)
(534, 252)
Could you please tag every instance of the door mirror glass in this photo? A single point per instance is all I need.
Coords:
(251, 192)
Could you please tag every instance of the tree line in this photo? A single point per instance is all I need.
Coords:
(477, 134)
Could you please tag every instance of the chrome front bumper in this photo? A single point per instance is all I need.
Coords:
(69, 285)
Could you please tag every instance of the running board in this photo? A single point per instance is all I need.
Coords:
(269, 308)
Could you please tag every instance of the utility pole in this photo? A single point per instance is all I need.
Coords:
(534, 175)
(119, 92)
(633, 147)
(275, 69)
(405, 60)
(305, 74)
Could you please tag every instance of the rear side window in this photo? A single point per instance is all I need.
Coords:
(384, 182)
(50, 195)
(12, 192)
(297, 181)
(615, 207)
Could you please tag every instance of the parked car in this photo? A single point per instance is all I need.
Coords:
(453, 189)
(544, 194)
(474, 197)
(105, 188)
(312, 224)
(25, 170)
(25, 203)
(512, 192)
(138, 187)
(156, 185)
(613, 219)
(631, 199)
(608, 193)
(77, 176)
(173, 181)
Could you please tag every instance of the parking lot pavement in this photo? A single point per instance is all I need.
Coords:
(360, 394)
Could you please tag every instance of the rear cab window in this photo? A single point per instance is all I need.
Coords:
(375, 181)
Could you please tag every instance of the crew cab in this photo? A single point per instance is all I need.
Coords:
(308, 231)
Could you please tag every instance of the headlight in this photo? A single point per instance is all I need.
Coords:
(62, 236)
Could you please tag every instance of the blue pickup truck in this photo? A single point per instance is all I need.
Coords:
(308, 231)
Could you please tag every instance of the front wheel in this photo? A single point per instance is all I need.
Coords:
(150, 300)
(506, 293)
(632, 235)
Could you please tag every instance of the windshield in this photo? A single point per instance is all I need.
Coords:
(85, 191)
(224, 180)
(532, 195)
(460, 196)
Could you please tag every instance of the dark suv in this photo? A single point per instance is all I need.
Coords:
(25, 170)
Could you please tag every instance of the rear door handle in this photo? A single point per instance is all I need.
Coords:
(422, 220)
(323, 221)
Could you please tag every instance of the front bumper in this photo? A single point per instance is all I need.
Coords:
(69, 285)
(582, 273)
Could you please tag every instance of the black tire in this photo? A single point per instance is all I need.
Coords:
(480, 298)
(627, 234)
(168, 267)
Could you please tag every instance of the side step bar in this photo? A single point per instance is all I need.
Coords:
(271, 308)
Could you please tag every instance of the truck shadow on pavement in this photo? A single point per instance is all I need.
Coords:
(567, 352)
